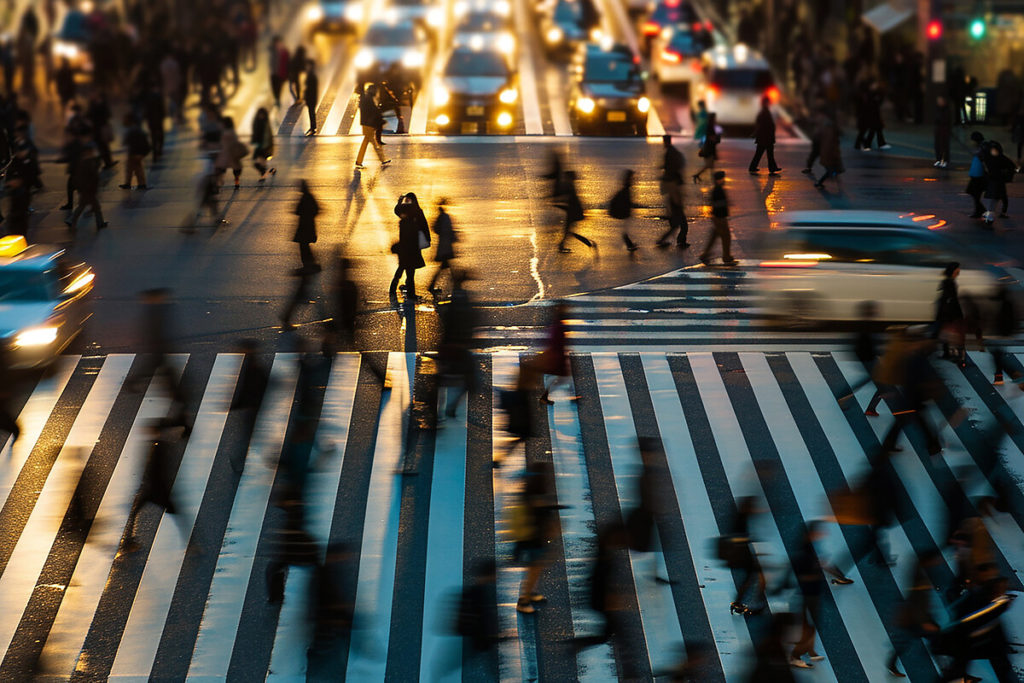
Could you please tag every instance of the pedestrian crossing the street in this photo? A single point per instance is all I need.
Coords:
(412, 503)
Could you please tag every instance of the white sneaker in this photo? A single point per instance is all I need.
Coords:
(865, 149)
(799, 663)
(885, 146)
(937, 164)
(943, 164)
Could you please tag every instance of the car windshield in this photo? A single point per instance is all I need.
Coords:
(743, 79)
(465, 63)
(390, 36)
(666, 16)
(610, 68)
(684, 43)
(479, 22)
(568, 12)
(894, 247)
(25, 285)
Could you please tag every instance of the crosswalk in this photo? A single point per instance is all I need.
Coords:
(419, 505)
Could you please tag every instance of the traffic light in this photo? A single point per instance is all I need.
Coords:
(977, 28)
(934, 29)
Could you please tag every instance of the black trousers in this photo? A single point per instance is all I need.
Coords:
(759, 152)
(311, 108)
(276, 82)
(410, 281)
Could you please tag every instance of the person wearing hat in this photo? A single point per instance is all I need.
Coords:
(976, 182)
(719, 222)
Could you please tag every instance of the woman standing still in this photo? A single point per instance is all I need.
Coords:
(413, 236)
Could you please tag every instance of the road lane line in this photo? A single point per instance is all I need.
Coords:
(141, 636)
(528, 93)
(222, 614)
(557, 102)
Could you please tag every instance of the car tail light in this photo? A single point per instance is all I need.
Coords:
(651, 28)
(670, 56)
(713, 91)
(696, 26)
(708, 25)
(695, 65)
(671, 3)
(772, 94)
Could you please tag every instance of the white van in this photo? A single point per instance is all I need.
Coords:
(733, 80)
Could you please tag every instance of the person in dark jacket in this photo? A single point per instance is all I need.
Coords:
(743, 559)
(137, 147)
(155, 111)
(943, 131)
(809, 569)
(830, 156)
(76, 137)
(999, 170)
(411, 225)
(573, 207)
(305, 234)
(296, 66)
(445, 246)
(720, 223)
(262, 144)
(311, 95)
(764, 138)
(672, 191)
(1004, 329)
(370, 119)
(65, 81)
(914, 617)
(949, 315)
(621, 207)
(86, 180)
(99, 116)
(873, 98)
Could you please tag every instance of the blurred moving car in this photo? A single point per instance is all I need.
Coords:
(563, 26)
(733, 82)
(676, 55)
(486, 28)
(43, 301)
(390, 47)
(821, 265)
(72, 40)
(476, 93)
(334, 16)
(429, 15)
(670, 14)
(608, 91)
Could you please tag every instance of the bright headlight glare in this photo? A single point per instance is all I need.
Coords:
(80, 282)
(508, 95)
(354, 13)
(442, 120)
(36, 336)
(503, 7)
(364, 59)
(441, 95)
(507, 43)
(412, 58)
(504, 119)
(315, 13)
(64, 49)
(585, 105)
(643, 104)
(434, 17)
(554, 35)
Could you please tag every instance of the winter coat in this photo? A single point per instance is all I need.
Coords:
(410, 224)
(445, 236)
(999, 170)
(307, 211)
(262, 139)
(828, 142)
(369, 112)
(947, 308)
(764, 128)
(137, 142)
(672, 168)
(311, 92)
(86, 176)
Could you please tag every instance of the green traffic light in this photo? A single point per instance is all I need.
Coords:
(977, 28)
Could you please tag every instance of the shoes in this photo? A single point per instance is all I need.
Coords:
(871, 413)
(943, 164)
(359, 167)
(730, 262)
(65, 207)
(777, 171)
(705, 261)
(381, 143)
(998, 381)
(936, 164)
(815, 657)
(564, 250)
(222, 221)
(893, 671)
(865, 149)
(273, 171)
(799, 663)
(807, 171)
(885, 146)
(125, 187)
(385, 163)
(523, 606)
(737, 608)
(102, 225)
(842, 581)
(142, 187)
(237, 186)
(546, 401)
(753, 171)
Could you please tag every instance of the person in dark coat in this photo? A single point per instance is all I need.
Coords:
(621, 207)
(914, 618)
(445, 246)
(573, 207)
(976, 173)
(305, 234)
(949, 315)
(157, 477)
(8, 419)
(370, 119)
(830, 156)
(1004, 329)
(137, 146)
(296, 66)
(943, 131)
(764, 138)
(535, 521)
(253, 378)
(720, 222)
(742, 558)
(262, 144)
(999, 170)
(155, 112)
(99, 116)
(70, 153)
(810, 578)
(411, 225)
(642, 520)
(65, 81)
(672, 191)
(873, 117)
(311, 95)
(86, 179)
(278, 67)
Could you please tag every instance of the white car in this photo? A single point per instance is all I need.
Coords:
(392, 49)
(733, 81)
(822, 265)
(676, 55)
(492, 29)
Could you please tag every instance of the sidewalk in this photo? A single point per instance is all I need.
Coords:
(917, 141)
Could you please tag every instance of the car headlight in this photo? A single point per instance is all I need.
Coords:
(354, 13)
(314, 13)
(554, 35)
(412, 59)
(441, 95)
(585, 105)
(434, 17)
(643, 104)
(80, 282)
(503, 7)
(476, 42)
(504, 119)
(364, 59)
(508, 95)
(36, 336)
(442, 120)
(506, 43)
(65, 49)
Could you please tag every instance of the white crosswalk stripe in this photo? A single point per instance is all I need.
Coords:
(424, 513)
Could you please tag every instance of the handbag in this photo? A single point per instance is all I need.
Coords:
(424, 239)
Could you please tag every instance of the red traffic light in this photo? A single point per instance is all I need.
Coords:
(934, 29)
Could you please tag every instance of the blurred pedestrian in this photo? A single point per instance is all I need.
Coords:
(555, 174)
(914, 618)
(976, 632)
(1017, 135)
(671, 187)
(331, 610)
(700, 121)
(305, 233)
(157, 477)
(296, 66)
(976, 181)
(534, 521)
(75, 135)
(311, 95)
(811, 583)
(865, 348)
(137, 147)
(999, 170)
(172, 82)
(737, 551)
(554, 358)
(262, 144)
(86, 180)
(155, 112)
(8, 421)
(720, 223)
(445, 252)
(290, 543)
(950, 325)
(344, 305)
(390, 93)
(211, 127)
(621, 207)
(709, 146)
(253, 378)
(764, 138)
(65, 81)
(569, 202)
(413, 237)
(456, 365)
(301, 295)
(99, 116)
(830, 155)
(1004, 326)
(476, 621)
(608, 582)
(155, 364)
(813, 130)
(642, 520)
(943, 131)
(278, 68)
(207, 193)
(369, 119)
(515, 403)
(874, 125)
(232, 151)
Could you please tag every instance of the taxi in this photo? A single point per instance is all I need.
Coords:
(43, 301)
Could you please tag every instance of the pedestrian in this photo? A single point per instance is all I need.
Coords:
(305, 233)
(950, 324)
(156, 341)
(811, 583)
(554, 358)
(999, 170)
(976, 632)
(231, 152)
(137, 147)
(289, 542)
(720, 223)
(207, 191)
(976, 180)
(343, 303)
(476, 621)
(413, 237)
(296, 66)
(369, 119)
(556, 175)
(943, 131)
(608, 582)
(253, 378)
(874, 124)
(171, 80)
(914, 618)
(671, 187)
(1017, 135)
(814, 128)
(709, 146)
(830, 155)
(700, 121)
(1005, 323)
(279, 68)
(621, 207)
(642, 520)
(157, 478)
(74, 143)
(8, 421)
(533, 523)
(86, 180)
(311, 95)
(570, 203)
(99, 116)
(456, 365)
(445, 253)
(764, 138)
(155, 112)
(65, 81)
(390, 100)
(210, 129)
(262, 144)
(304, 278)
(737, 551)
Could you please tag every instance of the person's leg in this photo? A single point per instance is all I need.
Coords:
(410, 283)
(377, 148)
(806, 642)
(393, 288)
(684, 228)
(140, 171)
(97, 212)
(881, 136)
(706, 254)
(71, 192)
(311, 109)
(758, 152)
(772, 166)
(581, 238)
(367, 131)
(726, 238)
(237, 172)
